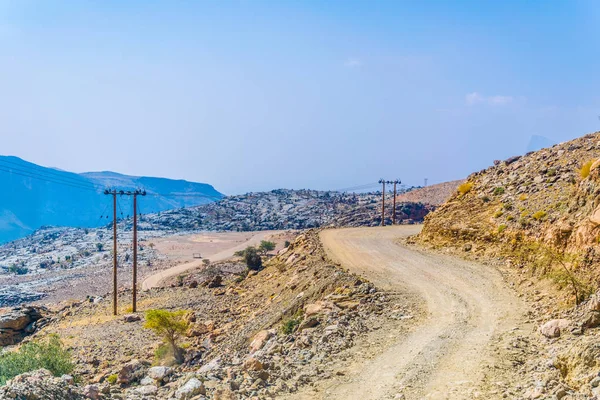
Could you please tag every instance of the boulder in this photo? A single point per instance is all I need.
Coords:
(553, 328)
(131, 372)
(132, 318)
(159, 373)
(17, 323)
(192, 387)
(259, 340)
(319, 307)
(252, 364)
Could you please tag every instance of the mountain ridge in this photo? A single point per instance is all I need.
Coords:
(41, 196)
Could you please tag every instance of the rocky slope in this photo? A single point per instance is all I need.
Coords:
(286, 209)
(539, 211)
(434, 194)
(254, 335)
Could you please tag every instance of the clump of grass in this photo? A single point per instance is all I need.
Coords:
(510, 218)
(584, 172)
(112, 379)
(523, 197)
(498, 191)
(551, 172)
(465, 188)
(507, 206)
(539, 215)
(49, 354)
(498, 214)
(502, 228)
(289, 326)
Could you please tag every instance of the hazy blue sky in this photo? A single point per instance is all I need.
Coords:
(256, 95)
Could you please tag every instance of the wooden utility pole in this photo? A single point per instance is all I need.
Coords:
(397, 181)
(135, 247)
(134, 283)
(382, 202)
(114, 195)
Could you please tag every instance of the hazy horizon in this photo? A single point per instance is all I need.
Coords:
(251, 96)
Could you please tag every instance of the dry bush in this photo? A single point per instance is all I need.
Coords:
(465, 188)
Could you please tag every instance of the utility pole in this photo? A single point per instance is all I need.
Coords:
(425, 182)
(397, 181)
(114, 195)
(382, 181)
(135, 245)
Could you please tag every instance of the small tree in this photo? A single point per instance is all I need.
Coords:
(170, 325)
(266, 246)
(252, 258)
(99, 246)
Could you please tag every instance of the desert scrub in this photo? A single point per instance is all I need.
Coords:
(112, 379)
(507, 206)
(502, 228)
(465, 188)
(498, 191)
(510, 218)
(498, 214)
(584, 172)
(49, 354)
(539, 215)
(523, 197)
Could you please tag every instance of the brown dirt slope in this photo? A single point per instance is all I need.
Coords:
(537, 210)
(434, 194)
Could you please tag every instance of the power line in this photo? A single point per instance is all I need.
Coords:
(41, 171)
(46, 179)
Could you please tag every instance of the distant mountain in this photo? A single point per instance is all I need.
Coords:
(36, 196)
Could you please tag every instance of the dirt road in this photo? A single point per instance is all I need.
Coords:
(468, 307)
(154, 280)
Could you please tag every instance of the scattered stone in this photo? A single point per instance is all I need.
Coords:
(553, 328)
(192, 387)
(132, 318)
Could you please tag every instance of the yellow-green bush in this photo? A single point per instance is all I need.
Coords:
(539, 215)
(584, 172)
(465, 188)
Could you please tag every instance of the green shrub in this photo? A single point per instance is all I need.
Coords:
(539, 215)
(289, 326)
(584, 172)
(498, 191)
(502, 228)
(15, 269)
(465, 188)
(510, 218)
(507, 206)
(286, 243)
(112, 379)
(498, 214)
(49, 354)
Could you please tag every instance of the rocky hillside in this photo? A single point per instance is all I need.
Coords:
(251, 335)
(286, 209)
(434, 195)
(540, 211)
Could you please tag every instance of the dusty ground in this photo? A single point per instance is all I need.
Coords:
(212, 246)
(460, 348)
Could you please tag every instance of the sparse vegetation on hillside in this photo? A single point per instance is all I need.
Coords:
(542, 186)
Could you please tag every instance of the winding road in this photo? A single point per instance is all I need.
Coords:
(467, 305)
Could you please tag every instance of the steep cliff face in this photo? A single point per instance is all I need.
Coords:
(541, 208)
